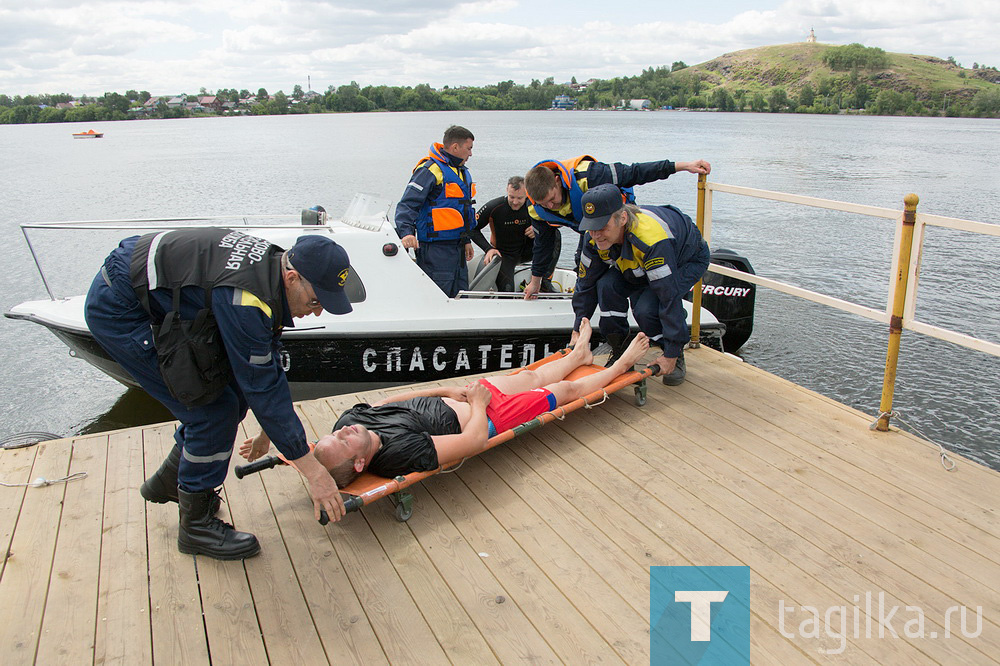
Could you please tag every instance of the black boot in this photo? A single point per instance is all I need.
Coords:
(619, 343)
(676, 377)
(162, 486)
(615, 341)
(201, 533)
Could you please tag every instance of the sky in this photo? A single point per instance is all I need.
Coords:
(180, 46)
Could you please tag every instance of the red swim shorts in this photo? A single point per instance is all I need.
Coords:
(506, 411)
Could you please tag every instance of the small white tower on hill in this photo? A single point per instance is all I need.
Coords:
(811, 39)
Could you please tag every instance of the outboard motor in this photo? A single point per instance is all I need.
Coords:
(313, 216)
(729, 299)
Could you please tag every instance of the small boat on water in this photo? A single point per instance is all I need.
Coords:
(402, 328)
(89, 134)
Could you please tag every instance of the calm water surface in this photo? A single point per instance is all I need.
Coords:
(283, 164)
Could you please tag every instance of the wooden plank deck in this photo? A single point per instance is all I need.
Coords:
(537, 551)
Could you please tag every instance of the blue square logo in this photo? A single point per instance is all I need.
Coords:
(699, 615)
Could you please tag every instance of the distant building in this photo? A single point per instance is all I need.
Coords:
(563, 102)
(210, 102)
(811, 39)
(637, 104)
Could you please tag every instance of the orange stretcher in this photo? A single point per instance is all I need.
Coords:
(367, 488)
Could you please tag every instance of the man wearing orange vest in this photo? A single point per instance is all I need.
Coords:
(556, 187)
(436, 214)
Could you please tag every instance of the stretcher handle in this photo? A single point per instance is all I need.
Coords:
(652, 368)
(352, 503)
(257, 466)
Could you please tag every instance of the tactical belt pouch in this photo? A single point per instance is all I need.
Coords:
(191, 355)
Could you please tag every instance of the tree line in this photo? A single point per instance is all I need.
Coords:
(853, 87)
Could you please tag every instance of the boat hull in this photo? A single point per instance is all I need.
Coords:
(402, 328)
(365, 361)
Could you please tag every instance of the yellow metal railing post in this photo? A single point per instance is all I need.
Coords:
(896, 318)
(696, 290)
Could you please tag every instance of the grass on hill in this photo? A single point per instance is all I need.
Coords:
(794, 65)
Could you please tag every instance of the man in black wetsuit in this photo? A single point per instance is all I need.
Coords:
(511, 234)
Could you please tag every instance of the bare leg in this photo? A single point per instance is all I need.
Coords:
(566, 391)
(551, 372)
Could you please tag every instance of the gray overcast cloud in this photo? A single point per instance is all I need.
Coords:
(173, 46)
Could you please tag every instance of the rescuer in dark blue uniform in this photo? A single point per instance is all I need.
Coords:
(436, 214)
(194, 317)
(555, 189)
(649, 257)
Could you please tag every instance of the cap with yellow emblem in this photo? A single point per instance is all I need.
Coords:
(599, 204)
(325, 265)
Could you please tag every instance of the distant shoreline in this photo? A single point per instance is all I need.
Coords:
(841, 112)
(803, 78)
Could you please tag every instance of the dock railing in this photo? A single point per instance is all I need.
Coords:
(900, 310)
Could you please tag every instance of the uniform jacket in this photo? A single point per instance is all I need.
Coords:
(438, 202)
(250, 309)
(664, 252)
(577, 176)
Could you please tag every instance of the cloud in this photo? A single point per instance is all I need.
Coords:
(59, 28)
(89, 46)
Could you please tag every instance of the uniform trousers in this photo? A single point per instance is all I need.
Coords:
(444, 263)
(121, 326)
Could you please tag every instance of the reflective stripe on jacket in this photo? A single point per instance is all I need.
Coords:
(449, 215)
(665, 251)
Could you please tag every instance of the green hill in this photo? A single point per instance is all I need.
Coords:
(811, 78)
(932, 82)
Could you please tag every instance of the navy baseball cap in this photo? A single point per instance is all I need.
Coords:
(325, 265)
(599, 204)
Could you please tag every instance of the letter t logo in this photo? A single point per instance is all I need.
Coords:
(701, 610)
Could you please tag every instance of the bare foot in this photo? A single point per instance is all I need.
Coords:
(582, 346)
(636, 350)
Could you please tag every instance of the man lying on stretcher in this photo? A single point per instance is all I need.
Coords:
(422, 430)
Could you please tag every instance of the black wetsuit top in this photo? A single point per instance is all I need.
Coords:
(508, 228)
(405, 428)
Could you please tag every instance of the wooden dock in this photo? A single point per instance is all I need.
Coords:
(537, 551)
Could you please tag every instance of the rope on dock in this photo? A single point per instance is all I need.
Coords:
(946, 461)
(41, 481)
(24, 439)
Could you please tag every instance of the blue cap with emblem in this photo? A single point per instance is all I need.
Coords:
(599, 204)
(325, 265)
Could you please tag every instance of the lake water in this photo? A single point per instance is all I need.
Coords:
(225, 166)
